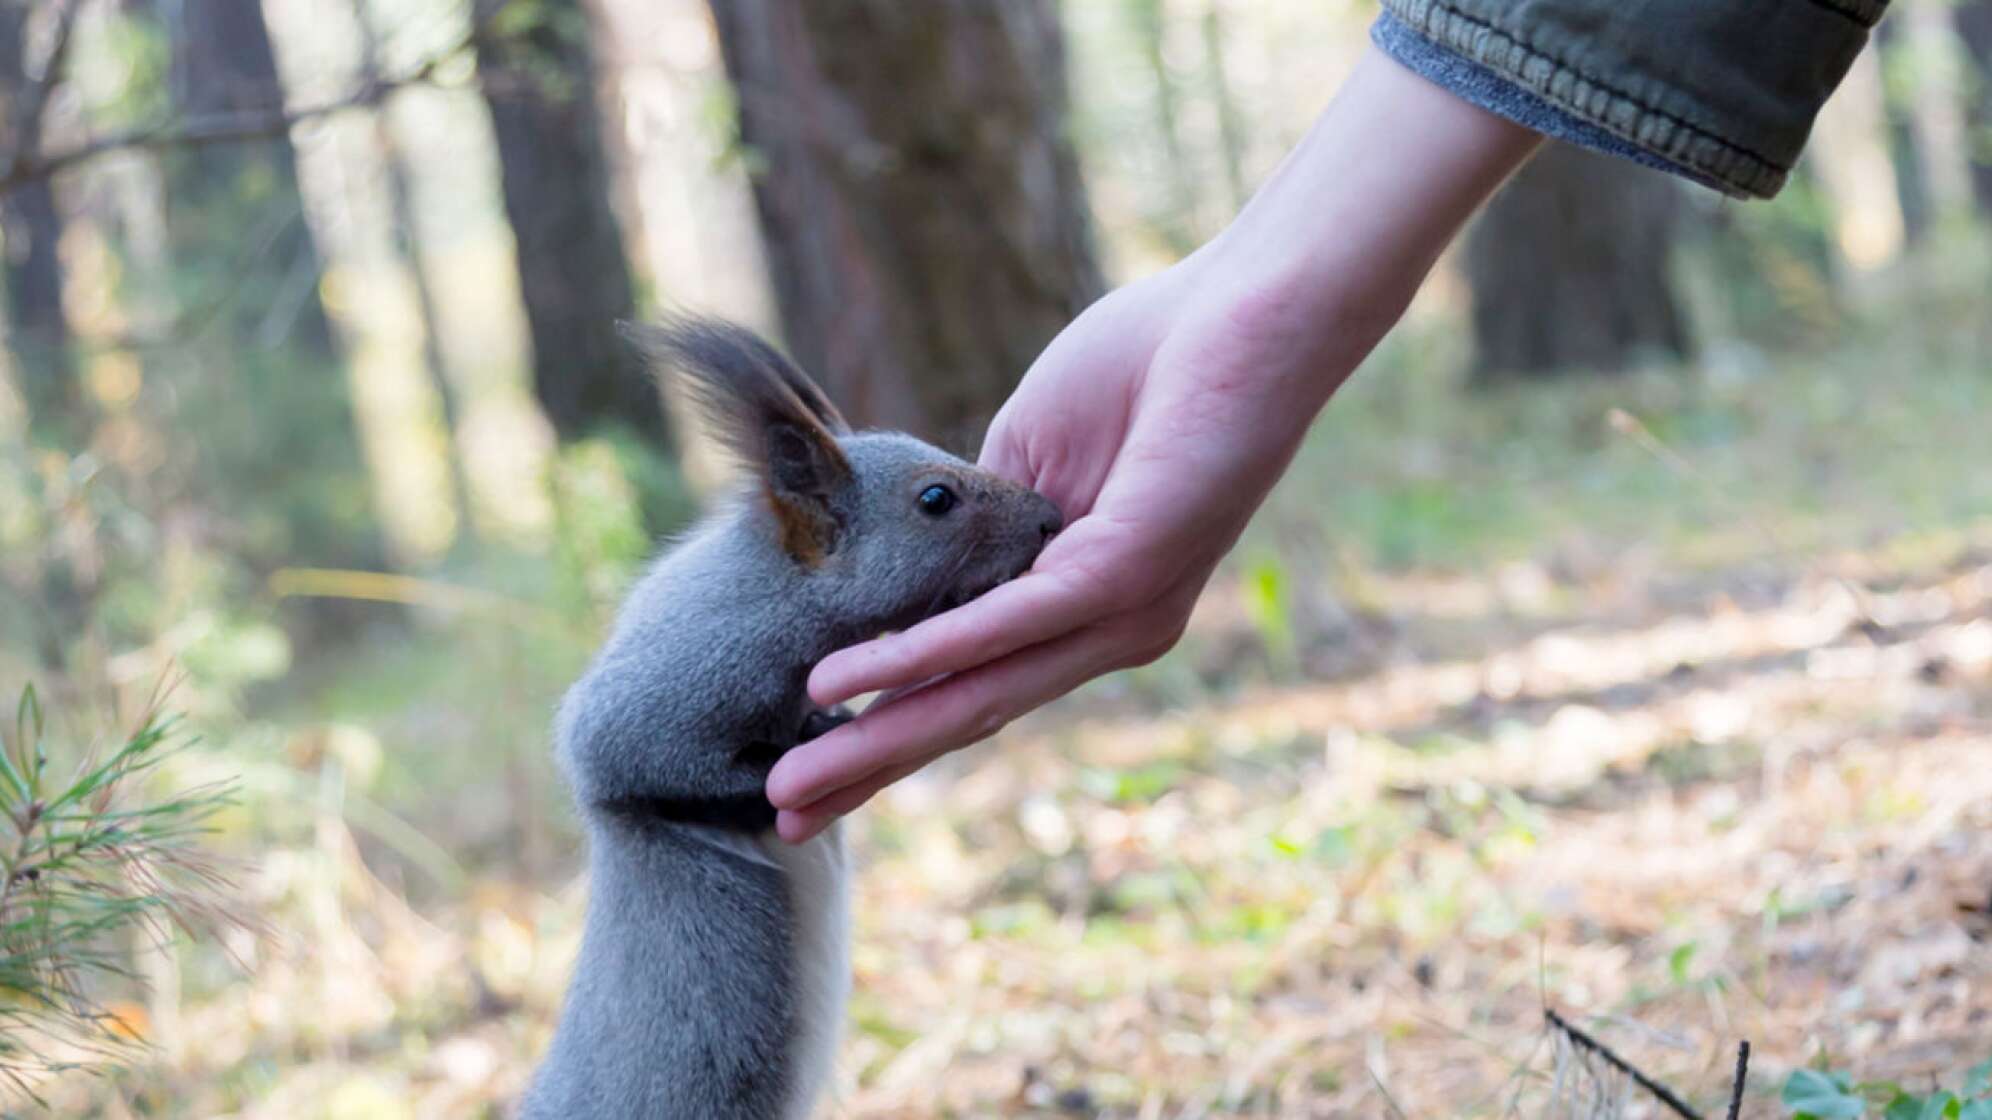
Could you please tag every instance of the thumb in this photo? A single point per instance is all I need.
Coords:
(1003, 451)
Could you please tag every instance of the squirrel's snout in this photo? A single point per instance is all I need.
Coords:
(1050, 523)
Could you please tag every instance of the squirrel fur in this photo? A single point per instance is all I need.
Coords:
(714, 965)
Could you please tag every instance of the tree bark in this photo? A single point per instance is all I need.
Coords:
(540, 83)
(919, 198)
(223, 64)
(1569, 268)
(37, 332)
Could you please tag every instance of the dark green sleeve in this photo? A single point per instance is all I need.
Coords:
(1726, 89)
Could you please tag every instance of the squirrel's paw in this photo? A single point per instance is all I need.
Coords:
(821, 721)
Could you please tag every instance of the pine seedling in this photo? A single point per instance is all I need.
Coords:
(95, 867)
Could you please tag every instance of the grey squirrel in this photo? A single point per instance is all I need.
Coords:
(714, 965)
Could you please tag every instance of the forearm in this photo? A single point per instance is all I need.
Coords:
(1330, 250)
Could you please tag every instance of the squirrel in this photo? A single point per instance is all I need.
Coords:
(714, 961)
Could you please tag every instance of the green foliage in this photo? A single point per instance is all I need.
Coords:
(93, 865)
(599, 536)
(1680, 963)
(134, 48)
(1269, 604)
(1811, 1094)
(1774, 264)
(1134, 785)
(538, 40)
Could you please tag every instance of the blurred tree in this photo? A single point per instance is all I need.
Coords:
(249, 436)
(921, 204)
(1569, 268)
(37, 332)
(1927, 83)
(537, 63)
(401, 201)
(1149, 20)
(223, 69)
(1973, 19)
(1230, 123)
(1905, 147)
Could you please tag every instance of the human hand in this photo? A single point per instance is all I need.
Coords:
(1157, 422)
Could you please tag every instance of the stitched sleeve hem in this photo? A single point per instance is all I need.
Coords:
(1480, 86)
(1674, 143)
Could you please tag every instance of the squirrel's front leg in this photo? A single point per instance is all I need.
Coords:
(745, 807)
(629, 753)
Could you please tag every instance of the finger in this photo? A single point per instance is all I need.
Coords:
(942, 717)
(1005, 456)
(798, 825)
(1040, 605)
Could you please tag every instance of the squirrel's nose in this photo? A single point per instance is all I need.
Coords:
(1051, 524)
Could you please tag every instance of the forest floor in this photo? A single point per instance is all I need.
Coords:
(1679, 725)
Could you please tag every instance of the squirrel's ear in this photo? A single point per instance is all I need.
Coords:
(769, 413)
(804, 470)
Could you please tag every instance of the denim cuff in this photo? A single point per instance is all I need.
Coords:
(1478, 85)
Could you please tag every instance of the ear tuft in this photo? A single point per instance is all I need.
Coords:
(725, 364)
(767, 412)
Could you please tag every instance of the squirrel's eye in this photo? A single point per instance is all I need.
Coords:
(937, 500)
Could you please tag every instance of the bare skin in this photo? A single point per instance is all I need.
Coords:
(1158, 421)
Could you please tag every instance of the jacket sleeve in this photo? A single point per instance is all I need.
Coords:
(1720, 91)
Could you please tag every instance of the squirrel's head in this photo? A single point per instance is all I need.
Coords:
(888, 529)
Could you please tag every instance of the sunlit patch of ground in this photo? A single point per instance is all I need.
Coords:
(1763, 824)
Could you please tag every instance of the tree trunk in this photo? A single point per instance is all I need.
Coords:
(37, 332)
(1178, 227)
(540, 83)
(223, 65)
(1569, 268)
(919, 197)
(401, 200)
(1973, 19)
(1230, 125)
(1905, 147)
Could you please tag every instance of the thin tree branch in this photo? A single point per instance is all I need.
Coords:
(1742, 1075)
(222, 128)
(1584, 1041)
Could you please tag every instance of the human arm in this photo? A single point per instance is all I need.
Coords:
(1163, 415)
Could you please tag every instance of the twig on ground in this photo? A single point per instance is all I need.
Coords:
(1742, 1075)
(1377, 1068)
(1585, 1042)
